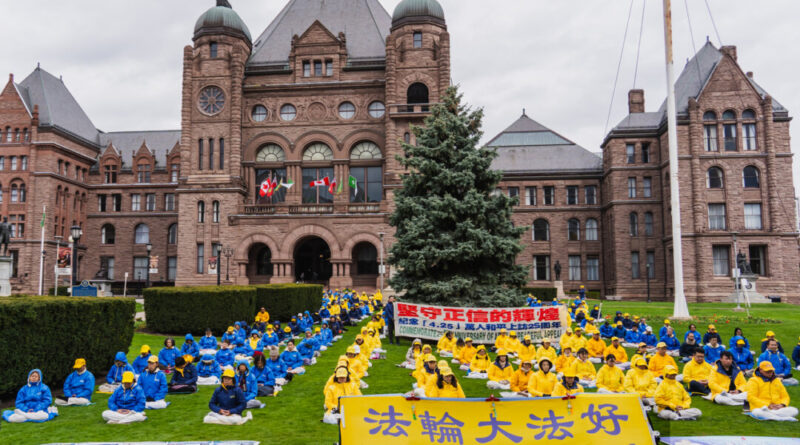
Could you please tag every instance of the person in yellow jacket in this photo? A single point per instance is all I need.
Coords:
(590, 328)
(411, 355)
(640, 381)
(610, 378)
(512, 343)
(578, 341)
(479, 366)
(767, 396)
(726, 381)
(500, 372)
(584, 369)
(342, 387)
(467, 354)
(672, 400)
(641, 351)
(457, 347)
(543, 381)
(660, 361)
(342, 363)
(546, 351)
(566, 339)
(520, 380)
(619, 352)
(446, 386)
(564, 360)
(596, 347)
(446, 344)
(364, 351)
(420, 361)
(500, 341)
(696, 373)
(262, 318)
(426, 376)
(526, 350)
(355, 364)
(568, 385)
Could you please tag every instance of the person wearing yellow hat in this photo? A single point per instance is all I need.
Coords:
(590, 327)
(500, 341)
(184, 379)
(127, 403)
(411, 355)
(672, 400)
(427, 376)
(78, 387)
(153, 382)
(610, 378)
(467, 354)
(639, 380)
(341, 387)
(140, 362)
(596, 347)
(620, 331)
(641, 351)
(767, 396)
(619, 352)
(564, 361)
(526, 350)
(446, 344)
(566, 339)
(712, 332)
(782, 367)
(500, 372)
(568, 385)
(227, 403)
(520, 380)
(446, 385)
(584, 369)
(545, 350)
(479, 367)
(420, 360)
(660, 361)
(230, 335)
(578, 341)
(663, 331)
(770, 335)
(796, 355)
(512, 343)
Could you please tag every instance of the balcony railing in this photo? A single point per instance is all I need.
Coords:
(313, 209)
(410, 108)
(257, 209)
(363, 208)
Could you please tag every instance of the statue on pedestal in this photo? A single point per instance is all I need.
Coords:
(742, 264)
(557, 270)
(5, 235)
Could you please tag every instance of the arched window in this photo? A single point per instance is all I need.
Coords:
(407, 137)
(365, 150)
(107, 234)
(573, 230)
(648, 224)
(748, 114)
(172, 234)
(634, 223)
(318, 152)
(709, 116)
(751, 178)
(715, 178)
(142, 234)
(23, 195)
(729, 115)
(591, 229)
(271, 153)
(541, 230)
(215, 211)
(14, 193)
(417, 94)
(201, 211)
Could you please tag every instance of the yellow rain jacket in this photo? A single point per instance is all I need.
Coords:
(336, 390)
(619, 353)
(591, 328)
(549, 353)
(527, 352)
(540, 383)
(512, 344)
(497, 374)
(479, 364)
(500, 341)
(610, 378)
(262, 317)
(694, 372)
(577, 343)
(566, 340)
(560, 390)
(563, 362)
(670, 394)
(644, 357)
(658, 362)
(584, 370)
(446, 344)
(520, 379)
(596, 348)
(467, 354)
(762, 392)
(720, 382)
(640, 381)
(425, 378)
(446, 391)
(356, 367)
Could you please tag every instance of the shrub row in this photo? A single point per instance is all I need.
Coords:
(49, 333)
(542, 293)
(282, 301)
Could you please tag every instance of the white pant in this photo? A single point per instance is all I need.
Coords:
(684, 414)
(255, 404)
(605, 391)
(630, 345)
(300, 370)
(330, 418)
(596, 360)
(280, 381)
(116, 417)
(791, 381)
(419, 392)
(233, 419)
(208, 351)
(157, 404)
(624, 365)
(20, 416)
(73, 401)
(588, 383)
(491, 384)
(446, 353)
(108, 387)
(511, 394)
(210, 380)
(477, 375)
(764, 413)
(674, 353)
(731, 399)
(464, 367)
(362, 384)
(241, 357)
(648, 401)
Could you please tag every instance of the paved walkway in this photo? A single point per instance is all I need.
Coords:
(139, 315)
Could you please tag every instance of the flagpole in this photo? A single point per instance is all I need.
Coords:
(41, 258)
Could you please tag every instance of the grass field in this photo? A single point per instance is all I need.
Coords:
(294, 416)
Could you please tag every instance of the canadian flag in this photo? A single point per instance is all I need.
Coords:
(332, 186)
(265, 186)
(324, 181)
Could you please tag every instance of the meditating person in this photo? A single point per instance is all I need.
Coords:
(270, 338)
(727, 382)
(546, 351)
(189, 347)
(688, 348)
(584, 369)
(166, 356)
(781, 366)
(796, 355)
(713, 350)
(467, 354)
(262, 318)
(596, 347)
(208, 371)
(277, 367)
(672, 400)
(479, 367)
(543, 381)
(356, 366)
(663, 331)
(78, 387)
(229, 335)
(568, 385)
(743, 357)
(711, 333)
(694, 332)
(738, 334)
(673, 345)
(33, 402)
(307, 349)
(620, 331)
(227, 403)
(242, 350)
(500, 340)
(632, 337)
(520, 380)
(114, 376)
(578, 341)
(153, 382)
(446, 386)
(264, 378)
(500, 372)
(343, 386)
(184, 377)
(765, 342)
(564, 360)
(225, 356)
(446, 344)
(425, 376)
(606, 330)
(590, 327)
(641, 351)
(246, 381)
(526, 350)
(126, 404)
(660, 361)
(639, 380)
(292, 358)
(610, 378)
(649, 339)
(208, 343)
(140, 362)
(767, 396)
(619, 352)
(512, 343)
(413, 352)
(697, 372)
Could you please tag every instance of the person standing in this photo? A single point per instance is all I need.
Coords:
(388, 316)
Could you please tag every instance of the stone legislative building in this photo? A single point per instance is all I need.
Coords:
(326, 93)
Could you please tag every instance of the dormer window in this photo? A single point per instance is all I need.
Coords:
(328, 67)
(143, 173)
(110, 174)
(318, 68)
(213, 49)
(417, 39)
(306, 68)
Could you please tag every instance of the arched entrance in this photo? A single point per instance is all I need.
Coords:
(364, 269)
(259, 264)
(312, 261)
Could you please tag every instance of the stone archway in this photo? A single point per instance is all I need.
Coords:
(259, 264)
(364, 266)
(312, 260)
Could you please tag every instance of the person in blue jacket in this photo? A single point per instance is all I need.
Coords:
(268, 339)
(796, 355)
(738, 334)
(693, 330)
(242, 349)
(190, 347)
(626, 321)
(617, 317)
(292, 358)
(663, 331)
(306, 350)
(263, 375)
(595, 312)
(225, 356)
(713, 350)
(326, 335)
(673, 345)
(208, 371)
(742, 355)
(632, 337)
(606, 330)
(619, 330)
(207, 343)
(324, 313)
(227, 403)
(240, 331)
(33, 402)
(771, 336)
(114, 376)
(229, 335)
(293, 326)
(78, 387)
(166, 357)
(153, 382)
(783, 369)
(278, 367)
(286, 334)
(184, 379)
(247, 382)
(649, 338)
(140, 362)
(126, 404)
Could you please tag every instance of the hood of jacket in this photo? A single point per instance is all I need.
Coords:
(189, 337)
(734, 370)
(763, 377)
(121, 357)
(41, 377)
(545, 359)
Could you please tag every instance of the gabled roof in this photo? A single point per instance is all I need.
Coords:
(128, 143)
(365, 24)
(57, 106)
(527, 146)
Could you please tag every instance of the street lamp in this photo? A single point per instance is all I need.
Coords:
(228, 252)
(147, 272)
(648, 282)
(75, 232)
(381, 234)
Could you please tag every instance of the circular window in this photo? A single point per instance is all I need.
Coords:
(211, 100)
(377, 109)
(288, 112)
(271, 153)
(318, 152)
(347, 110)
(259, 113)
(365, 150)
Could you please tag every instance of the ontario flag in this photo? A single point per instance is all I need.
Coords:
(321, 182)
(332, 186)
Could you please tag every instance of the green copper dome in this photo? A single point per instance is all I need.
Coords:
(221, 18)
(418, 8)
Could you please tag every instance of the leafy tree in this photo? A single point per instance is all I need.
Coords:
(455, 242)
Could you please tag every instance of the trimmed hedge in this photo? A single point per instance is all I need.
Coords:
(542, 293)
(284, 300)
(590, 294)
(63, 291)
(49, 333)
(178, 310)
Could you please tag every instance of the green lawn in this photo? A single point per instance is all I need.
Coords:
(294, 416)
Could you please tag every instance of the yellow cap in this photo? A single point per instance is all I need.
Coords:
(666, 321)
(481, 348)
(79, 363)
(144, 349)
(152, 359)
(642, 344)
(740, 342)
(127, 377)
(527, 337)
(670, 370)
(589, 319)
(711, 326)
(526, 362)
(661, 344)
(512, 333)
(626, 314)
(351, 349)
(316, 329)
(569, 329)
(442, 364)
(417, 342)
(635, 317)
(770, 334)
(766, 365)
(430, 358)
(228, 372)
(287, 329)
(428, 347)
(445, 371)
(503, 331)
(570, 372)
(619, 323)
(341, 372)
(577, 328)
(581, 286)
(189, 359)
(230, 329)
(467, 339)
(502, 351)
(640, 362)
(614, 339)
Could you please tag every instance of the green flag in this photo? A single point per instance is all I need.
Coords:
(339, 189)
(44, 215)
(353, 184)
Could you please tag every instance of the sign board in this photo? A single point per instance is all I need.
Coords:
(153, 267)
(596, 419)
(481, 324)
(84, 290)
(64, 261)
(212, 265)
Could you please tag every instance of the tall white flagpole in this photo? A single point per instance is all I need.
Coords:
(41, 257)
(681, 309)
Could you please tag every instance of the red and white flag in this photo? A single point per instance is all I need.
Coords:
(322, 182)
(332, 186)
(265, 186)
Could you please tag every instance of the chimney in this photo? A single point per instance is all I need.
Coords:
(749, 74)
(636, 101)
(729, 50)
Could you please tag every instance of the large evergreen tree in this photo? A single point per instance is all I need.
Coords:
(455, 243)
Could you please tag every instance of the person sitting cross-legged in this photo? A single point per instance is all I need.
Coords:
(500, 372)
(342, 386)
(639, 380)
(584, 369)
(543, 381)
(227, 403)
(208, 343)
(208, 370)
(568, 385)
(672, 400)
(78, 387)
(184, 377)
(247, 381)
(727, 382)
(780, 363)
(114, 376)
(520, 380)
(33, 402)
(660, 361)
(127, 403)
(446, 386)
(140, 362)
(696, 373)
(767, 396)
(153, 382)
(596, 347)
(610, 378)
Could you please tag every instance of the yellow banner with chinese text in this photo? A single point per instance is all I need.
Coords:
(595, 419)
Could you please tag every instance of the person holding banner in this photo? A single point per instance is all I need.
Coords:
(568, 385)
(672, 400)
(341, 387)
(479, 367)
(584, 369)
(520, 380)
(610, 378)
(639, 380)
(500, 372)
(768, 397)
(446, 386)
(543, 381)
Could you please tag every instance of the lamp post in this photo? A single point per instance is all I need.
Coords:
(648, 282)
(228, 252)
(58, 247)
(381, 235)
(219, 265)
(147, 271)
(75, 232)
(737, 276)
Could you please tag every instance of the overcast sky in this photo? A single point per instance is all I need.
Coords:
(557, 59)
